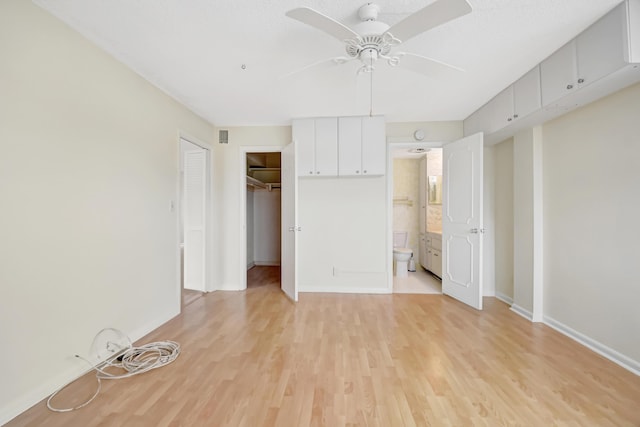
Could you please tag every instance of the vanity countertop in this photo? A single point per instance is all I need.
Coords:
(439, 233)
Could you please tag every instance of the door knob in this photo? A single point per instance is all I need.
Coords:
(474, 231)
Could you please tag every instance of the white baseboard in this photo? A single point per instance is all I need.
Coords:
(229, 287)
(26, 401)
(267, 263)
(522, 312)
(611, 354)
(251, 265)
(504, 298)
(344, 290)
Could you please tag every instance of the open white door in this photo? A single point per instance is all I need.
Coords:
(462, 220)
(195, 187)
(289, 226)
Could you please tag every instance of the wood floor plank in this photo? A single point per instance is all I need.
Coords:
(254, 358)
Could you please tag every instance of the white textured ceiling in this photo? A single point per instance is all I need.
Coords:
(194, 51)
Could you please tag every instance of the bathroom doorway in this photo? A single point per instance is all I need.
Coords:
(414, 218)
(194, 217)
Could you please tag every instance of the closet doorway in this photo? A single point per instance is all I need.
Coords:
(262, 217)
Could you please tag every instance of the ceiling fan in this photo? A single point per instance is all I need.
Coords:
(371, 40)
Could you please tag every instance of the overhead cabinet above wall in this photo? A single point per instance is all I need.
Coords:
(340, 146)
(602, 59)
(317, 147)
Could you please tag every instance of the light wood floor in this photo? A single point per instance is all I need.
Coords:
(254, 358)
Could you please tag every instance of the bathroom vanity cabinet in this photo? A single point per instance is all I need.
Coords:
(431, 252)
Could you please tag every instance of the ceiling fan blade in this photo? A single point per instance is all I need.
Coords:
(322, 22)
(437, 13)
(322, 64)
(423, 65)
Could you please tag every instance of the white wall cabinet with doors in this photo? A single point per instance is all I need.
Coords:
(361, 146)
(602, 59)
(601, 49)
(317, 145)
(340, 146)
(518, 100)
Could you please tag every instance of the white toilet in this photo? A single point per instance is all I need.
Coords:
(401, 254)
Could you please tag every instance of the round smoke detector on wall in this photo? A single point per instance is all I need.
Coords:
(419, 135)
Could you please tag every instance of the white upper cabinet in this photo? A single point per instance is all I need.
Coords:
(304, 134)
(516, 101)
(501, 110)
(603, 48)
(317, 146)
(326, 146)
(558, 73)
(361, 146)
(526, 94)
(477, 122)
(597, 52)
(600, 60)
(346, 146)
(374, 148)
(350, 146)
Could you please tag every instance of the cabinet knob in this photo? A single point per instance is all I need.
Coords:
(318, 173)
(364, 171)
(311, 172)
(357, 171)
(580, 81)
(569, 87)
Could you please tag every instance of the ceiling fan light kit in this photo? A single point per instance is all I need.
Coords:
(371, 40)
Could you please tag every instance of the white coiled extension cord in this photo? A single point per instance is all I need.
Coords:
(133, 360)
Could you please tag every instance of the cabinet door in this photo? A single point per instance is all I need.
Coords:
(436, 262)
(326, 149)
(303, 132)
(477, 122)
(428, 260)
(374, 149)
(423, 251)
(600, 48)
(501, 107)
(350, 146)
(558, 74)
(526, 94)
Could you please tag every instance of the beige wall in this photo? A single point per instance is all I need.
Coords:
(228, 204)
(342, 245)
(434, 131)
(591, 204)
(88, 172)
(503, 196)
(590, 179)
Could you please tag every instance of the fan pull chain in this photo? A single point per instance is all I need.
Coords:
(371, 89)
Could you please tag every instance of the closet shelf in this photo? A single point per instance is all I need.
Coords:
(256, 183)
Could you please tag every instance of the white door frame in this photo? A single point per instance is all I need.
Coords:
(243, 150)
(209, 211)
(394, 144)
